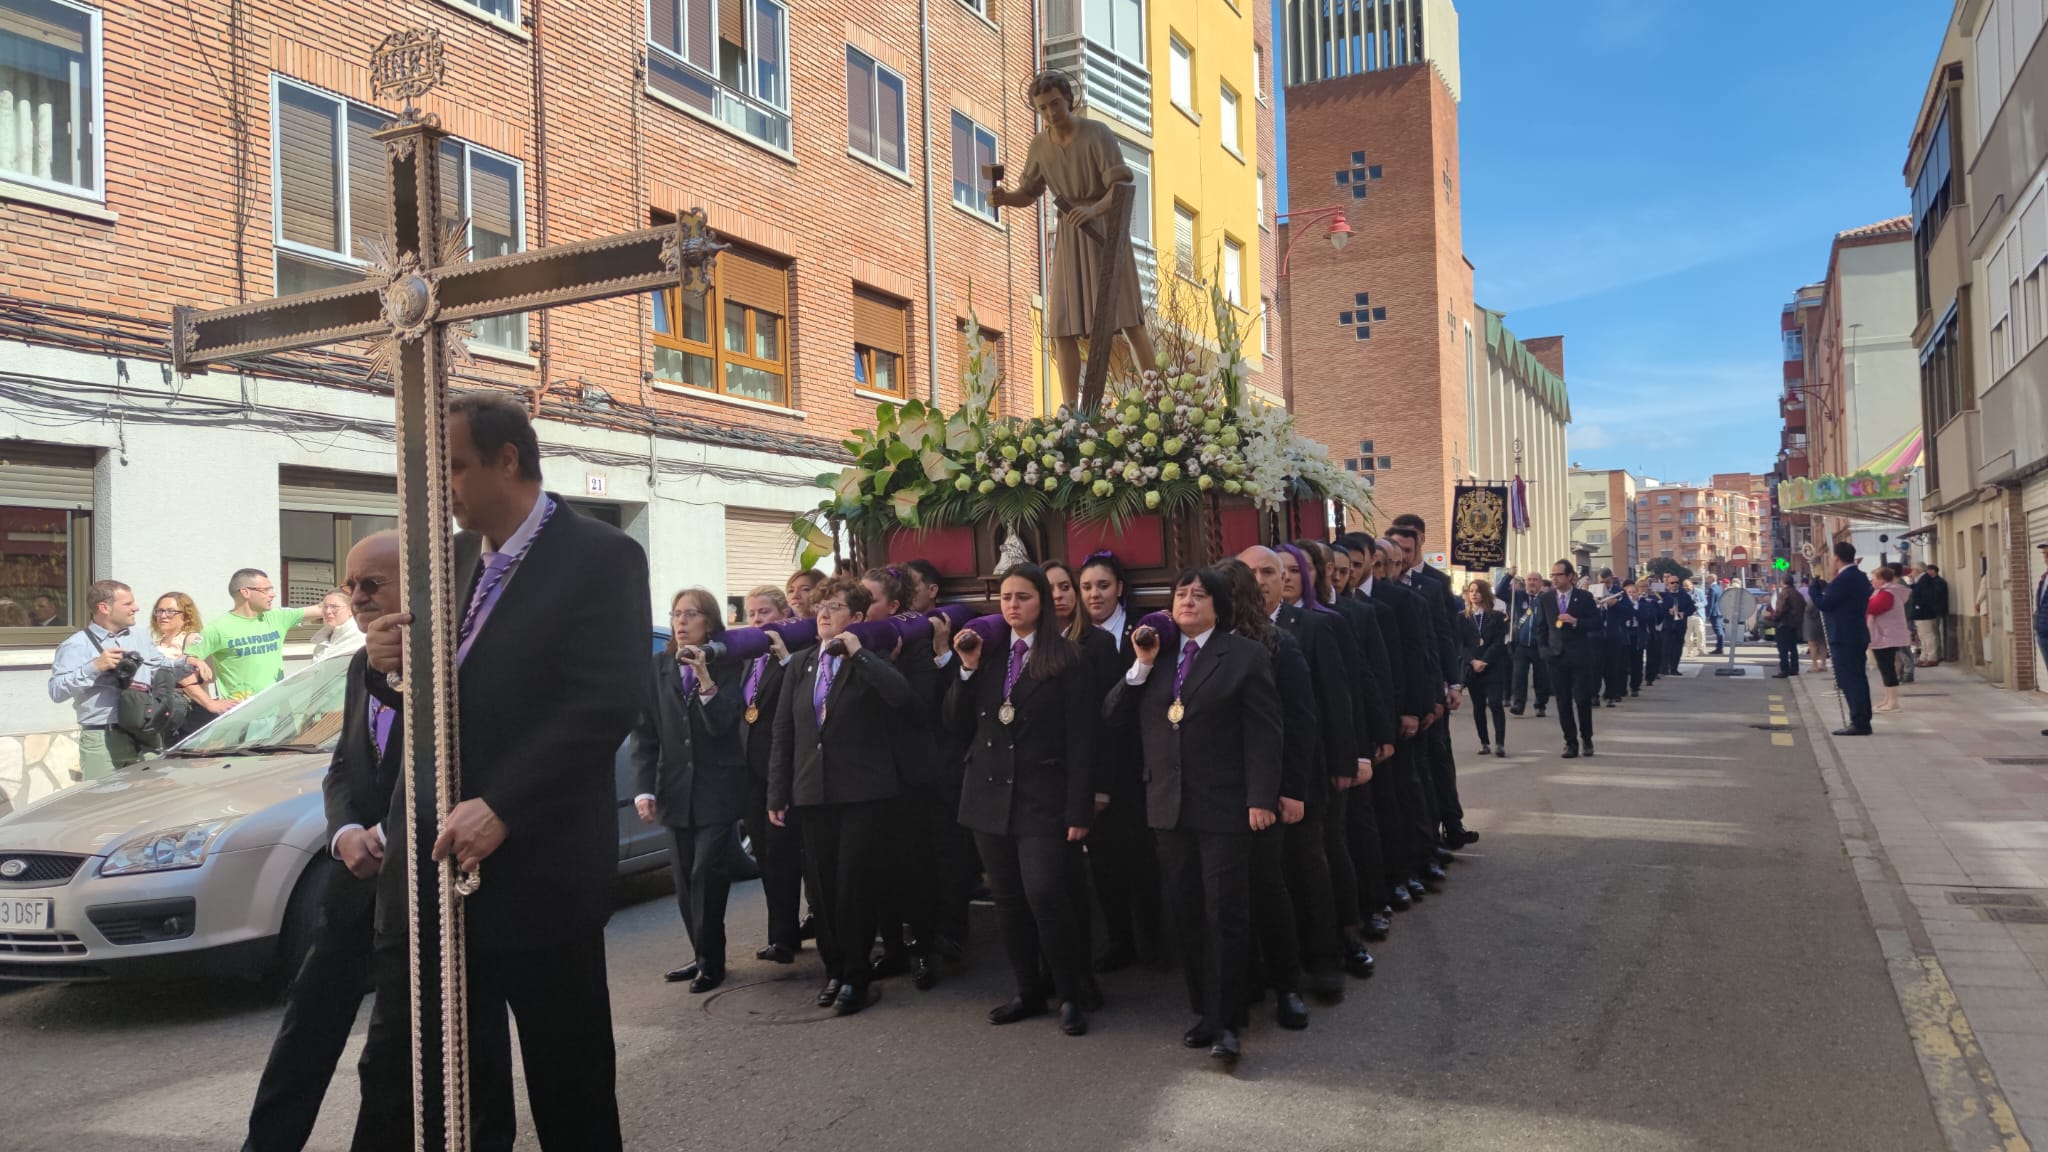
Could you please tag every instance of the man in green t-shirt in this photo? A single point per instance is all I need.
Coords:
(246, 646)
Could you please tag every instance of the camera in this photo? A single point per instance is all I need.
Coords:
(122, 673)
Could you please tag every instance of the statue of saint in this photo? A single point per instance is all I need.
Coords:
(1082, 163)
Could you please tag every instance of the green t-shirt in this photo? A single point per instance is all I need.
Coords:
(247, 655)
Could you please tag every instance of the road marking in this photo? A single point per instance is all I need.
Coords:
(1775, 696)
(1782, 739)
(1777, 707)
(1780, 719)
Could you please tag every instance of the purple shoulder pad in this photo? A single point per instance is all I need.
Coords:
(745, 643)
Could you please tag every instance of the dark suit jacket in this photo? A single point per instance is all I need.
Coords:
(854, 758)
(1841, 602)
(1574, 639)
(1790, 615)
(1119, 762)
(1414, 667)
(1374, 627)
(1443, 607)
(1035, 775)
(1325, 638)
(1301, 743)
(1492, 647)
(689, 754)
(358, 790)
(759, 736)
(553, 680)
(919, 732)
(1225, 756)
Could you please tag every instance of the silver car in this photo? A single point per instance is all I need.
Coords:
(208, 860)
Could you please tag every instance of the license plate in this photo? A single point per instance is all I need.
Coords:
(25, 915)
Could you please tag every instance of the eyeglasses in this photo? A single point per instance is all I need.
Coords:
(170, 612)
(691, 614)
(367, 585)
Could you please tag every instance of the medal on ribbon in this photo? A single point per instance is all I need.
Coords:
(753, 713)
(1175, 711)
(1007, 713)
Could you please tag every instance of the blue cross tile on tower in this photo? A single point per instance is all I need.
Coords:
(1362, 316)
(1358, 177)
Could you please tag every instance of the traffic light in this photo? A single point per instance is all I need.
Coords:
(1781, 564)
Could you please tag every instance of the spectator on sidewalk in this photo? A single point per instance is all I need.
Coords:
(1890, 635)
(338, 634)
(1927, 607)
(246, 646)
(1788, 620)
(84, 672)
(1813, 628)
(1526, 659)
(1712, 595)
(1842, 599)
(174, 628)
(1695, 624)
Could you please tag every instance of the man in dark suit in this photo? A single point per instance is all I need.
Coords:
(1211, 729)
(1446, 813)
(550, 678)
(1401, 826)
(1841, 601)
(1680, 611)
(1567, 617)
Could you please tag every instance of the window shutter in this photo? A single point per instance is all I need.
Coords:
(732, 22)
(860, 103)
(744, 278)
(880, 322)
(492, 185)
(45, 476)
(451, 180)
(369, 182)
(759, 549)
(664, 25)
(310, 199)
(1184, 240)
(698, 50)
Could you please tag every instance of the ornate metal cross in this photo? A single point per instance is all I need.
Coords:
(416, 300)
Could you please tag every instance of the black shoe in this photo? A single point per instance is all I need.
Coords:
(924, 973)
(855, 997)
(1416, 890)
(1290, 1013)
(1635, 692)
(1539, 713)
(1500, 751)
(829, 995)
(891, 964)
(1486, 749)
(1225, 1051)
(1443, 852)
(982, 894)
(1200, 1036)
(1401, 899)
(1781, 675)
(808, 930)
(1864, 730)
(1116, 959)
(1515, 711)
(1327, 987)
(1433, 876)
(1589, 747)
(1571, 752)
(706, 981)
(777, 954)
(1071, 1020)
(1359, 963)
(1376, 926)
(1089, 996)
(678, 975)
(1015, 1010)
(948, 948)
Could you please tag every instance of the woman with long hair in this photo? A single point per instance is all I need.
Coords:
(1890, 634)
(173, 626)
(1486, 667)
(1028, 791)
(690, 761)
(779, 852)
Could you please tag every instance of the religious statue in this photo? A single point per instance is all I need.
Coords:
(1082, 163)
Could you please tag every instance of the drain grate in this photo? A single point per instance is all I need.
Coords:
(2018, 761)
(2016, 915)
(1994, 899)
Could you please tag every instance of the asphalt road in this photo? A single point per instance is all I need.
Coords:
(1658, 948)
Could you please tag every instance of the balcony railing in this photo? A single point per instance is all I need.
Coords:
(1109, 82)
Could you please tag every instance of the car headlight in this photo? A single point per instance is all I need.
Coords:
(164, 850)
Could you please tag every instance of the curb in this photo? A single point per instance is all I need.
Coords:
(1968, 1103)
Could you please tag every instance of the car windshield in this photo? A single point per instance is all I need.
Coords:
(302, 711)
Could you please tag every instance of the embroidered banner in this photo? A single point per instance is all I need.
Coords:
(1479, 527)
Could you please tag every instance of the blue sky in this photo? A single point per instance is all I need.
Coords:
(1653, 179)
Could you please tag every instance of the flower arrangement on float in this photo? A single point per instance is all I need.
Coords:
(1164, 439)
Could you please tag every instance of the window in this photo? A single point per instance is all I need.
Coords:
(1180, 74)
(1184, 243)
(1663, 499)
(504, 11)
(1233, 271)
(874, 110)
(1139, 162)
(1262, 199)
(46, 537)
(1931, 200)
(881, 327)
(991, 349)
(1795, 344)
(321, 515)
(1664, 535)
(1259, 71)
(974, 149)
(1118, 25)
(50, 95)
(333, 189)
(1689, 518)
(1266, 325)
(731, 341)
(1227, 105)
(728, 59)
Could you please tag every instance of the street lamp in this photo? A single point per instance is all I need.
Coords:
(1339, 233)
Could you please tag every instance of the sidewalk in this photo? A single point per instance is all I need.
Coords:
(1946, 811)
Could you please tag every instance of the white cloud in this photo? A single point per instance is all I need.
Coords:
(1591, 437)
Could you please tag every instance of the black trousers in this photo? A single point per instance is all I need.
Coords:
(780, 854)
(1312, 883)
(1853, 680)
(1788, 651)
(1573, 676)
(319, 1013)
(1486, 700)
(1615, 670)
(1275, 931)
(1387, 822)
(1208, 885)
(1527, 663)
(1653, 656)
(1443, 807)
(1674, 646)
(1029, 876)
(1635, 663)
(908, 902)
(845, 853)
(1415, 807)
(701, 860)
(1124, 865)
(1333, 819)
(558, 997)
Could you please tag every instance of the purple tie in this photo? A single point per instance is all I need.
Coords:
(1187, 661)
(689, 682)
(828, 667)
(753, 686)
(380, 725)
(1017, 653)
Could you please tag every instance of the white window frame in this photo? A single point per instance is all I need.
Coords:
(750, 94)
(1139, 161)
(1261, 189)
(1180, 73)
(509, 24)
(1192, 269)
(1233, 279)
(974, 127)
(1259, 72)
(97, 193)
(278, 82)
(1106, 37)
(875, 105)
(1229, 108)
(754, 55)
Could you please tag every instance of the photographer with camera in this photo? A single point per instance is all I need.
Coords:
(92, 668)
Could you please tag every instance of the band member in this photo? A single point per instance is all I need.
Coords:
(1211, 735)
(1568, 617)
(1486, 671)
(1122, 859)
(778, 850)
(690, 763)
(1028, 791)
(832, 759)
(1653, 614)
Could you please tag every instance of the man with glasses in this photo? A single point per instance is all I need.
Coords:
(246, 646)
(1568, 617)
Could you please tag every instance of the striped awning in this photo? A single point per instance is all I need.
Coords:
(1877, 491)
